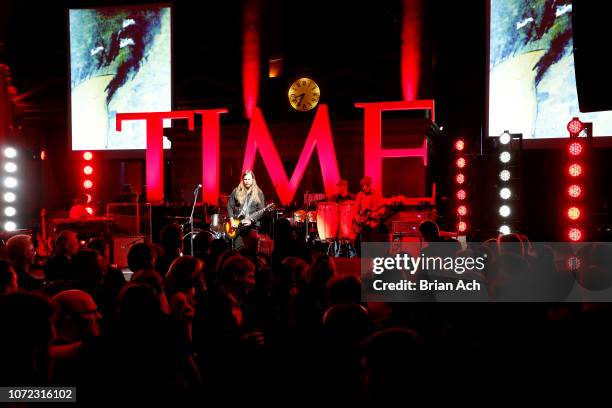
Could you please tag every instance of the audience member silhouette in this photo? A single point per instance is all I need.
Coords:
(20, 252)
(25, 319)
(8, 278)
(58, 265)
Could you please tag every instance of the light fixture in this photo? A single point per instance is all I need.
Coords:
(504, 138)
(10, 153)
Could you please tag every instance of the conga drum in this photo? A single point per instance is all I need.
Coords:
(327, 220)
(311, 225)
(346, 229)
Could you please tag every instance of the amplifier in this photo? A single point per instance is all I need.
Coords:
(405, 228)
(266, 245)
(407, 222)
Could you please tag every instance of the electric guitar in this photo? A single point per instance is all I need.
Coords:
(373, 218)
(234, 225)
(370, 218)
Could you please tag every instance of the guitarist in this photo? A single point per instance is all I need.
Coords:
(369, 207)
(246, 199)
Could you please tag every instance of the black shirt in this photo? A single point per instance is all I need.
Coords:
(234, 207)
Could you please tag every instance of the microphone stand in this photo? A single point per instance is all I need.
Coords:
(195, 200)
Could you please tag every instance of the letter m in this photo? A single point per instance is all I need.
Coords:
(320, 136)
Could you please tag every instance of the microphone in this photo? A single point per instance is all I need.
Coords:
(198, 187)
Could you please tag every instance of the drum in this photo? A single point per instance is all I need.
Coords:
(217, 222)
(299, 216)
(346, 229)
(327, 220)
(311, 216)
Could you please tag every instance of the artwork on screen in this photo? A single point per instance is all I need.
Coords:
(532, 84)
(120, 61)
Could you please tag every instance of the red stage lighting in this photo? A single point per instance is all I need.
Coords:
(43, 155)
(461, 162)
(88, 170)
(87, 156)
(461, 226)
(575, 148)
(461, 210)
(575, 126)
(573, 213)
(461, 195)
(459, 145)
(575, 170)
(89, 210)
(574, 234)
(460, 178)
(88, 184)
(574, 191)
(88, 198)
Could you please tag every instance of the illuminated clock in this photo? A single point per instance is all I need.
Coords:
(304, 94)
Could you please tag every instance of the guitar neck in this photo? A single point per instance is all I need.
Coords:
(258, 213)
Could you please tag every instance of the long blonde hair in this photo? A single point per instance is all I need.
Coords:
(241, 191)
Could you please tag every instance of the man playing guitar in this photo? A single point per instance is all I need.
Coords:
(246, 199)
(369, 205)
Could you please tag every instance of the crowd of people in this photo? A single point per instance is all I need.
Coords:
(240, 326)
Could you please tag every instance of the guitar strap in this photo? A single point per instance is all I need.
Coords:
(246, 205)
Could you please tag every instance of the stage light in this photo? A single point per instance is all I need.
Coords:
(89, 210)
(575, 148)
(505, 193)
(462, 226)
(10, 167)
(574, 263)
(88, 170)
(88, 198)
(504, 175)
(504, 138)
(504, 211)
(461, 195)
(460, 178)
(9, 197)
(462, 211)
(575, 170)
(10, 153)
(574, 191)
(10, 211)
(461, 162)
(504, 157)
(504, 230)
(43, 155)
(10, 182)
(573, 213)
(88, 184)
(459, 145)
(574, 234)
(10, 226)
(575, 126)
(87, 156)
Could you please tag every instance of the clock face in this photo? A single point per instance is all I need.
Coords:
(304, 94)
